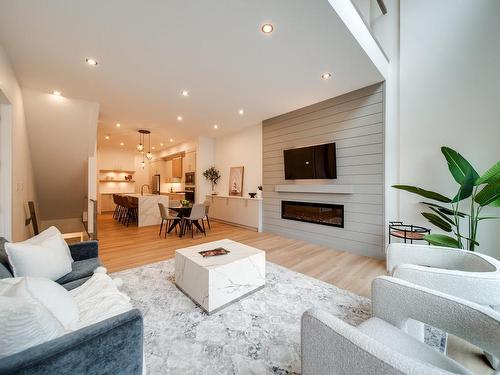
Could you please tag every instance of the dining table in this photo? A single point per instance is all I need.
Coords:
(182, 211)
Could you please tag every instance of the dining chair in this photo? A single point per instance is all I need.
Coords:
(197, 214)
(207, 209)
(166, 216)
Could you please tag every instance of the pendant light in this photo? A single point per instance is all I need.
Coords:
(140, 146)
(149, 155)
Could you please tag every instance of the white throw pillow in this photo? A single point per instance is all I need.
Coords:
(25, 323)
(47, 233)
(48, 258)
(99, 299)
(50, 294)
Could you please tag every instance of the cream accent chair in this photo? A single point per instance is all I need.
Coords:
(380, 345)
(461, 273)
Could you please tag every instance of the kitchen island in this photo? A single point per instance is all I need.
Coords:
(148, 212)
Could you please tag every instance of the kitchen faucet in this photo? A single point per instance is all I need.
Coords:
(142, 188)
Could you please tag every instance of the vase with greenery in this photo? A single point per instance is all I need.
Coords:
(259, 191)
(212, 174)
(447, 215)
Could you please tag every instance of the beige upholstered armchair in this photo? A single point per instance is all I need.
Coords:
(380, 345)
(460, 273)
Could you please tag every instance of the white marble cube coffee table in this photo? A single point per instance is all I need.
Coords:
(214, 282)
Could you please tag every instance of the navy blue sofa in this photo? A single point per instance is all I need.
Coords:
(113, 346)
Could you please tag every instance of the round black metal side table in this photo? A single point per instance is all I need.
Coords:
(407, 231)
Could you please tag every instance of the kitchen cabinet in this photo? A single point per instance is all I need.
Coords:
(189, 162)
(158, 167)
(168, 171)
(154, 167)
(177, 167)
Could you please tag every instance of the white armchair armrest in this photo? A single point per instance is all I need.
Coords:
(332, 347)
(467, 275)
(396, 301)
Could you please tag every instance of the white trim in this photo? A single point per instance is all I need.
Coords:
(353, 21)
(6, 168)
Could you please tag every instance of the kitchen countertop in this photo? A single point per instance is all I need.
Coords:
(116, 192)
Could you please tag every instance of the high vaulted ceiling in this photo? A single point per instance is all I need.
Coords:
(149, 51)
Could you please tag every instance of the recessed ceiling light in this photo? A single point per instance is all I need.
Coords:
(153, 148)
(185, 93)
(326, 75)
(118, 125)
(122, 144)
(91, 62)
(179, 118)
(106, 137)
(241, 112)
(161, 144)
(267, 28)
(171, 139)
(56, 93)
(216, 126)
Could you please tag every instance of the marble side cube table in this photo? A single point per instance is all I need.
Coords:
(214, 282)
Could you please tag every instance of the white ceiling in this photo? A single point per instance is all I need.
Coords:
(149, 51)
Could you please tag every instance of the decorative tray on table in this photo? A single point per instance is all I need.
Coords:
(214, 252)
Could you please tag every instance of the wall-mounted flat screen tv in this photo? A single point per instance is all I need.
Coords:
(313, 162)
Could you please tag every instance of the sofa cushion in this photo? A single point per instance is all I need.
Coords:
(50, 294)
(48, 258)
(46, 234)
(403, 343)
(80, 269)
(24, 322)
(75, 283)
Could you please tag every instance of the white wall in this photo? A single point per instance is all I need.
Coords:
(243, 148)
(23, 183)
(118, 158)
(385, 28)
(62, 137)
(450, 85)
(204, 160)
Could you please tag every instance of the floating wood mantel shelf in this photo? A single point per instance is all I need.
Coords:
(320, 189)
(115, 171)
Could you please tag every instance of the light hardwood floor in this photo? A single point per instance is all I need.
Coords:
(123, 247)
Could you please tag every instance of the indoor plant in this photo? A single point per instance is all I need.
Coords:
(212, 174)
(482, 190)
(259, 191)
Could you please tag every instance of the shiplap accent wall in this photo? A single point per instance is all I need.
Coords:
(355, 122)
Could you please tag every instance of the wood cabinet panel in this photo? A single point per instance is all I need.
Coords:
(177, 167)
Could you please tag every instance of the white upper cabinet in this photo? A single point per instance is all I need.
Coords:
(189, 163)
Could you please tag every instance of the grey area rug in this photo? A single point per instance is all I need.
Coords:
(259, 334)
